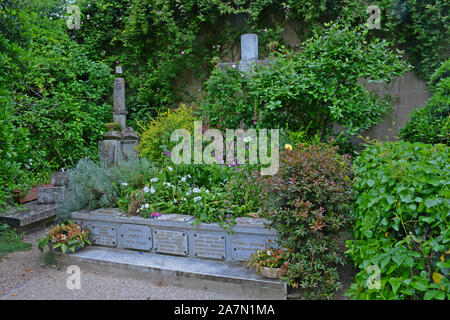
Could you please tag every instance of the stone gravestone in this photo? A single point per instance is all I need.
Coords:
(249, 54)
(118, 144)
(50, 195)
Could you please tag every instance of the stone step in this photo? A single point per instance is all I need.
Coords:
(178, 271)
(31, 216)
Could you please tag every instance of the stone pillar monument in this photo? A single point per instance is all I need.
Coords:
(118, 144)
(249, 51)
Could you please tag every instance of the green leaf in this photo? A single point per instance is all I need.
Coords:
(434, 294)
(395, 283)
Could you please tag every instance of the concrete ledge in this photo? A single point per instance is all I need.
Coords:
(179, 271)
(32, 216)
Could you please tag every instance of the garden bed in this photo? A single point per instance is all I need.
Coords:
(175, 234)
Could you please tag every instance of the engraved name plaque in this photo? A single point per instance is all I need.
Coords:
(172, 242)
(134, 236)
(209, 245)
(103, 234)
(243, 247)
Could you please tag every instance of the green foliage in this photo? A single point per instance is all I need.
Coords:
(158, 41)
(308, 203)
(155, 143)
(11, 241)
(113, 126)
(401, 221)
(319, 84)
(53, 93)
(210, 193)
(92, 185)
(89, 187)
(66, 236)
(418, 26)
(271, 258)
(431, 124)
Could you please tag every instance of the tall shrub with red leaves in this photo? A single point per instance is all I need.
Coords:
(308, 203)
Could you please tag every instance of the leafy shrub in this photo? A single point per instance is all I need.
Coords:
(402, 221)
(92, 185)
(154, 138)
(319, 84)
(307, 202)
(89, 186)
(11, 241)
(431, 124)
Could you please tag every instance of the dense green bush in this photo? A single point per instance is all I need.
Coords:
(431, 124)
(154, 137)
(56, 98)
(318, 84)
(402, 221)
(308, 203)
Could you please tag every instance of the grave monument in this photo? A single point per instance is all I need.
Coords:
(118, 144)
(249, 54)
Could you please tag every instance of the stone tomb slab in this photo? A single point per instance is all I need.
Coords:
(103, 234)
(209, 245)
(244, 246)
(171, 242)
(134, 236)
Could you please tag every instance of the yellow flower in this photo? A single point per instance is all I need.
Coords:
(288, 147)
(437, 277)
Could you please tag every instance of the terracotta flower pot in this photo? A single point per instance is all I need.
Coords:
(31, 196)
(273, 273)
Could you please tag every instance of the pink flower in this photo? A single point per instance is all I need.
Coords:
(233, 66)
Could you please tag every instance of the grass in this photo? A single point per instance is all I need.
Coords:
(11, 241)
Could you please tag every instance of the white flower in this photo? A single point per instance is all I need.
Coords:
(169, 168)
(175, 201)
(207, 191)
(137, 210)
(184, 199)
(147, 206)
(154, 180)
(183, 179)
(124, 184)
(142, 207)
(196, 190)
(152, 190)
(197, 199)
(146, 189)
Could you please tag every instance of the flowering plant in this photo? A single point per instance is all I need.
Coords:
(270, 258)
(67, 236)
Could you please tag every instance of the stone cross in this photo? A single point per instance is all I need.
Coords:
(119, 114)
(249, 54)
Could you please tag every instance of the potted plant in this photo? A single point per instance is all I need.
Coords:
(65, 236)
(271, 263)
